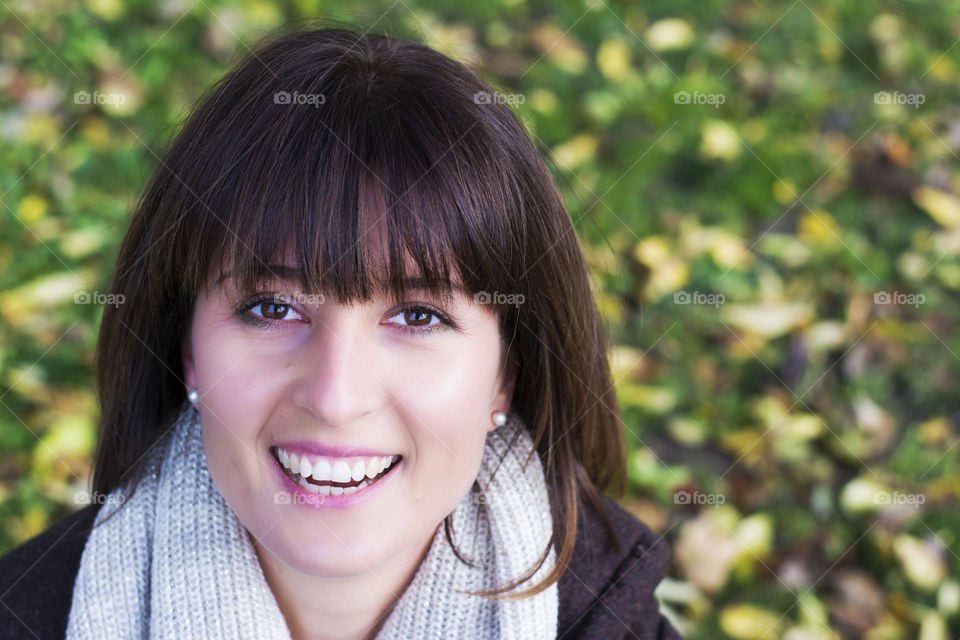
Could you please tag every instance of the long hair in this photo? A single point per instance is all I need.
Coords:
(319, 138)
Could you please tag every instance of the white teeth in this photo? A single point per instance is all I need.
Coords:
(312, 488)
(336, 491)
(334, 470)
(359, 471)
(341, 472)
(321, 470)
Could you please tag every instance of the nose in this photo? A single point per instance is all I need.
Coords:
(337, 372)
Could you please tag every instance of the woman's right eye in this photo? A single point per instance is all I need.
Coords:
(265, 311)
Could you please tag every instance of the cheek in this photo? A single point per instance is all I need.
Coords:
(239, 384)
(447, 414)
(240, 389)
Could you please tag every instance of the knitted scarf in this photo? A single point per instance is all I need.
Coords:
(175, 562)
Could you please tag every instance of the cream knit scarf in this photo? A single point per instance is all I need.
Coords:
(175, 562)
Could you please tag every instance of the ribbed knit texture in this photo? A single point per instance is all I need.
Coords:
(175, 562)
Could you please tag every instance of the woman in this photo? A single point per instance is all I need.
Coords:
(358, 384)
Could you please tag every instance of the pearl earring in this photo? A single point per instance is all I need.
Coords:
(193, 396)
(499, 418)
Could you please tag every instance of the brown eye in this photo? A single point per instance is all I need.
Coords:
(411, 317)
(274, 311)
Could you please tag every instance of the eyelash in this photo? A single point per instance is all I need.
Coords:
(257, 321)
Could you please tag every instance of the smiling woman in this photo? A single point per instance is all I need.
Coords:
(356, 313)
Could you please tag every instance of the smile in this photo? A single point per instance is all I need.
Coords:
(333, 476)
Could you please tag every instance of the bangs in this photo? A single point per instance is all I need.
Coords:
(371, 186)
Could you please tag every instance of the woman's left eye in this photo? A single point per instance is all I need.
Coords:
(418, 320)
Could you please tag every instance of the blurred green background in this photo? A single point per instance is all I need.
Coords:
(768, 196)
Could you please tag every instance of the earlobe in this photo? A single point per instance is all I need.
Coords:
(504, 401)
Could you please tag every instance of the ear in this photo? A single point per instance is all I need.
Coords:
(504, 398)
(186, 353)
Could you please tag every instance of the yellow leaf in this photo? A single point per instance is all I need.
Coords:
(671, 33)
(922, 563)
(70, 436)
(719, 140)
(767, 320)
(863, 494)
(559, 47)
(32, 208)
(543, 100)
(576, 151)
(785, 191)
(817, 227)
(655, 399)
(755, 535)
(749, 622)
(613, 58)
(668, 271)
(942, 206)
(106, 9)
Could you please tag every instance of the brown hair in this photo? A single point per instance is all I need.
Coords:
(458, 183)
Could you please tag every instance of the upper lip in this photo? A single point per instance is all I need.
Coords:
(303, 446)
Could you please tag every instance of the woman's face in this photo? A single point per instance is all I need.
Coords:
(327, 381)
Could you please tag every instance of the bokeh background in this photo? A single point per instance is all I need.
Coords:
(768, 196)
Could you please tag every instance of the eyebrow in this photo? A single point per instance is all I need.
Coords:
(291, 274)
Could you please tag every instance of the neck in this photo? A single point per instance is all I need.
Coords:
(351, 607)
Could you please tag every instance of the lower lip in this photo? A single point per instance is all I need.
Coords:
(297, 495)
